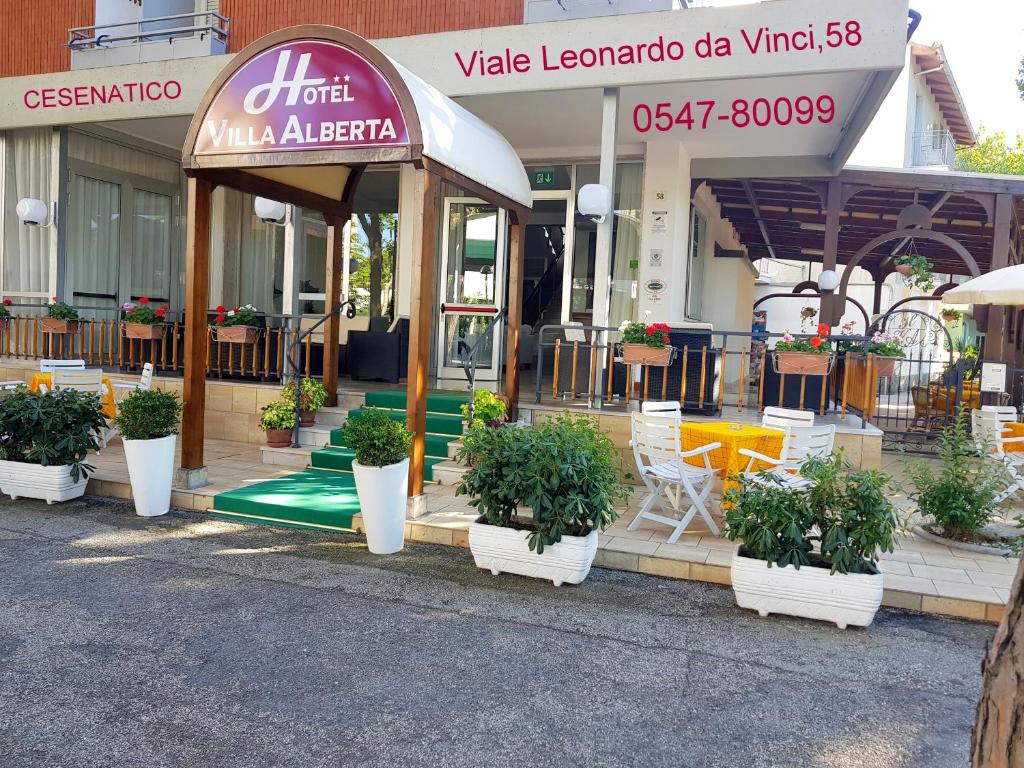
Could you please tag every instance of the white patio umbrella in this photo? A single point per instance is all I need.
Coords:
(1003, 287)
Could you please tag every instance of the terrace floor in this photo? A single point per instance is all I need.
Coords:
(920, 575)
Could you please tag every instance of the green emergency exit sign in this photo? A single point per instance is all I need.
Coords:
(543, 177)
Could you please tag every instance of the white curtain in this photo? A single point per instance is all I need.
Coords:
(93, 242)
(26, 250)
(117, 157)
(151, 262)
(626, 249)
(261, 266)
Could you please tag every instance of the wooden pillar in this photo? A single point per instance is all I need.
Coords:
(197, 287)
(517, 245)
(876, 301)
(332, 327)
(995, 334)
(421, 327)
(832, 306)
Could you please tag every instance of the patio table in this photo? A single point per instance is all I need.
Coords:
(732, 436)
(109, 404)
(1013, 429)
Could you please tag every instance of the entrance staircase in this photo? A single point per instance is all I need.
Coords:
(323, 495)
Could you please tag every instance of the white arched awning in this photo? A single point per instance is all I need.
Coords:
(301, 108)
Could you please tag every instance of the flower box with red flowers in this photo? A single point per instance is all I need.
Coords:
(143, 321)
(238, 325)
(804, 356)
(5, 312)
(60, 318)
(646, 344)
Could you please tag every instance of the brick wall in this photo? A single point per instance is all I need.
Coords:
(35, 34)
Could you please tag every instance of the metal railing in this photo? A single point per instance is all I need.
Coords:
(469, 358)
(202, 25)
(933, 148)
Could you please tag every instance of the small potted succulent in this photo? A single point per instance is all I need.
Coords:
(916, 270)
(312, 396)
(238, 325)
(60, 318)
(148, 422)
(804, 356)
(5, 313)
(644, 344)
(486, 408)
(951, 316)
(142, 321)
(278, 421)
(381, 469)
(779, 569)
(887, 348)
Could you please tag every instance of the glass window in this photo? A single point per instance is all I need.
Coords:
(151, 247)
(373, 244)
(94, 243)
(695, 269)
(27, 156)
(312, 237)
(261, 262)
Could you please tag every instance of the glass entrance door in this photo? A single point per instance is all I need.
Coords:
(472, 288)
(94, 247)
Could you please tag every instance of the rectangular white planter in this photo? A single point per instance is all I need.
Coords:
(811, 593)
(34, 481)
(506, 550)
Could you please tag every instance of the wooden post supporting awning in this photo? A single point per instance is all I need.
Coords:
(296, 117)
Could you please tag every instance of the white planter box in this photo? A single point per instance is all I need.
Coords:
(506, 550)
(34, 481)
(811, 593)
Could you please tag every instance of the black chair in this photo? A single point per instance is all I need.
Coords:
(379, 355)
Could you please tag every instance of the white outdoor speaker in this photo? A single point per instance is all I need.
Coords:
(269, 211)
(33, 212)
(594, 201)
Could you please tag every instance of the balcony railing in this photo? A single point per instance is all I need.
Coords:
(934, 148)
(159, 38)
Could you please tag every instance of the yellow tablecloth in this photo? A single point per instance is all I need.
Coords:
(108, 401)
(1013, 429)
(732, 437)
(970, 396)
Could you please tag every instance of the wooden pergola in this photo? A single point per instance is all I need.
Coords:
(296, 117)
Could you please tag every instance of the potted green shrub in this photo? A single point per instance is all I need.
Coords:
(312, 396)
(776, 568)
(148, 421)
(804, 356)
(237, 326)
(278, 420)
(486, 408)
(646, 344)
(60, 318)
(565, 472)
(142, 321)
(951, 316)
(44, 442)
(381, 468)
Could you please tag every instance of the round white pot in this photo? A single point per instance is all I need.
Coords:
(151, 469)
(383, 497)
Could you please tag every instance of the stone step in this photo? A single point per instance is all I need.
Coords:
(316, 436)
(449, 472)
(331, 417)
(285, 457)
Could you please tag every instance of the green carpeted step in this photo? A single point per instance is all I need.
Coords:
(340, 460)
(437, 445)
(437, 402)
(438, 423)
(314, 498)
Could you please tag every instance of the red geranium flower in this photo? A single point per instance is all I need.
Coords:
(143, 300)
(823, 329)
(55, 299)
(816, 341)
(650, 331)
(220, 318)
(160, 313)
(7, 302)
(220, 309)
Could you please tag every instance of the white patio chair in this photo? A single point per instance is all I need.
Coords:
(780, 418)
(988, 426)
(798, 445)
(88, 380)
(662, 466)
(661, 407)
(124, 388)
(10, 386)
(49, 366)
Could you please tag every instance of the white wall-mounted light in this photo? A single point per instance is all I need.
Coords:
(270, 211)
(34, 213)
(594, 201)
(828, 280)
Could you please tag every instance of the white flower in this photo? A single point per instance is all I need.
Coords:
(623, 324)
(231, 313)
(647, 313)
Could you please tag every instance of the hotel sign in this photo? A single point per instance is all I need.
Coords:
(303, 95)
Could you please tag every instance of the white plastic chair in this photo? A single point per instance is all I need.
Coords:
(661, 407)
(662, 466)
(88, 380)
(798, 445)
(988, 426)
(780, 418)
(124, 388)
(10, 386)
(49, 366)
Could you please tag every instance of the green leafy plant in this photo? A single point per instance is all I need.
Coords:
(279, 414)
(815, 345)
(312, 394)
(5, 311)
(960, 497)
(488, 408)
(565, 470)
(377, 439)
(845, 512)
(653, 335)
(244, 315)
(58, 310)
(883, 344)
(54, 429)
(144, 313)
(148, 414)
(951, 316)
(920, 274)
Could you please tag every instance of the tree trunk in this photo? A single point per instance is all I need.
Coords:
(998, 739)
(375, 244)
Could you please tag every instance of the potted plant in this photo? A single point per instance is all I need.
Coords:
(951, 316)
(646, 344)
(805, 356)
(141, 321)
(776, 568)
(565, 472)
(916, 270)
(312, 396)
(148, 422)
(44, 442)
(807, 314)
(887, 348)
(381, 467)
(238, 325)
(60, 318)
(278, 421)
(486, 408)
(5, 313)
